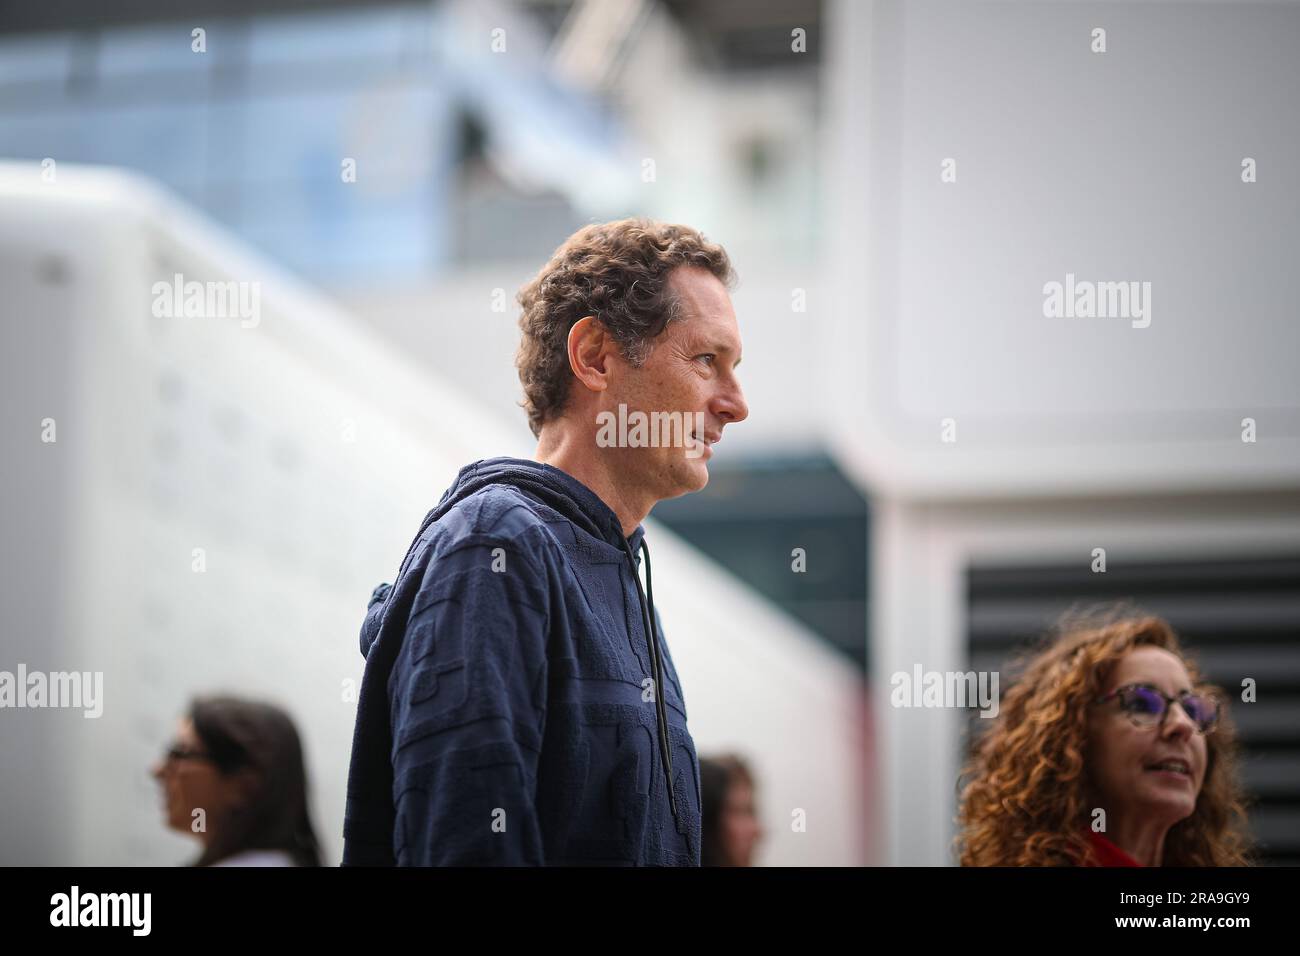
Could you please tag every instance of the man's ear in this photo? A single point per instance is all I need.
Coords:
(589, 351)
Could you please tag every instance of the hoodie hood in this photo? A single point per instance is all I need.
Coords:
(557, 489)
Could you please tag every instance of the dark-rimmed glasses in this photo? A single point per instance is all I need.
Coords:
(1146, 706)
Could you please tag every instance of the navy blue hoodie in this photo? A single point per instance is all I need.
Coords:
(519, 705)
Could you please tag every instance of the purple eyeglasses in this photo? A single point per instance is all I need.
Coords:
(1146, 706)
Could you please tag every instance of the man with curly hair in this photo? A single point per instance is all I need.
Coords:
(519, 704)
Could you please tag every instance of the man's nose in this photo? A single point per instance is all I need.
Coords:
(731, 405)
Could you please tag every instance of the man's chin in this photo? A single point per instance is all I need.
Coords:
(685, 478)
(699, 471)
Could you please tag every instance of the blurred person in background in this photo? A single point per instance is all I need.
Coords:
(728, 818)
(1110, 716)
(535, 715)
(241, 763)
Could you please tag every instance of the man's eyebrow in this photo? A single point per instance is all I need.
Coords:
(726, 350)
(718, 347)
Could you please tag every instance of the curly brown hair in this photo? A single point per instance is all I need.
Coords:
(1027, 793)
(617, 272)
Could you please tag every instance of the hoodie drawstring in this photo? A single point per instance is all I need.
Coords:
(652, 637)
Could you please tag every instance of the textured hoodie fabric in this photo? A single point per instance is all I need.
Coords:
(519, 705)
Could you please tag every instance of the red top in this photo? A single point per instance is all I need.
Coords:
(1105, 853)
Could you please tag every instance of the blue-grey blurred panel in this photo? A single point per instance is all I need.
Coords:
(339, 46)
(396, 132)
(36, 60)
(291, 138)
(168, 141)
(369, 247)
(285, 179)
(56, 134)
(166, 48)
(258, 130)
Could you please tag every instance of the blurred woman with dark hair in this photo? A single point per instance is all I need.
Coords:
(1111, 716)
(235, 778)
(728, 821)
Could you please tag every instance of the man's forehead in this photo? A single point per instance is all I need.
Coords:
(709, 333)
(706, 309)
(697, 285)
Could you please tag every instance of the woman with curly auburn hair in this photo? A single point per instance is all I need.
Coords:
(1111, 715)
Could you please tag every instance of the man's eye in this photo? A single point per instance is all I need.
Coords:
(708, 355)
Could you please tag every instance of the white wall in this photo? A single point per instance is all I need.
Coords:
(1071, 433)
(1116, 166)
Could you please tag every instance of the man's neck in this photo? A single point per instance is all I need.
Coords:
(572, 455)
